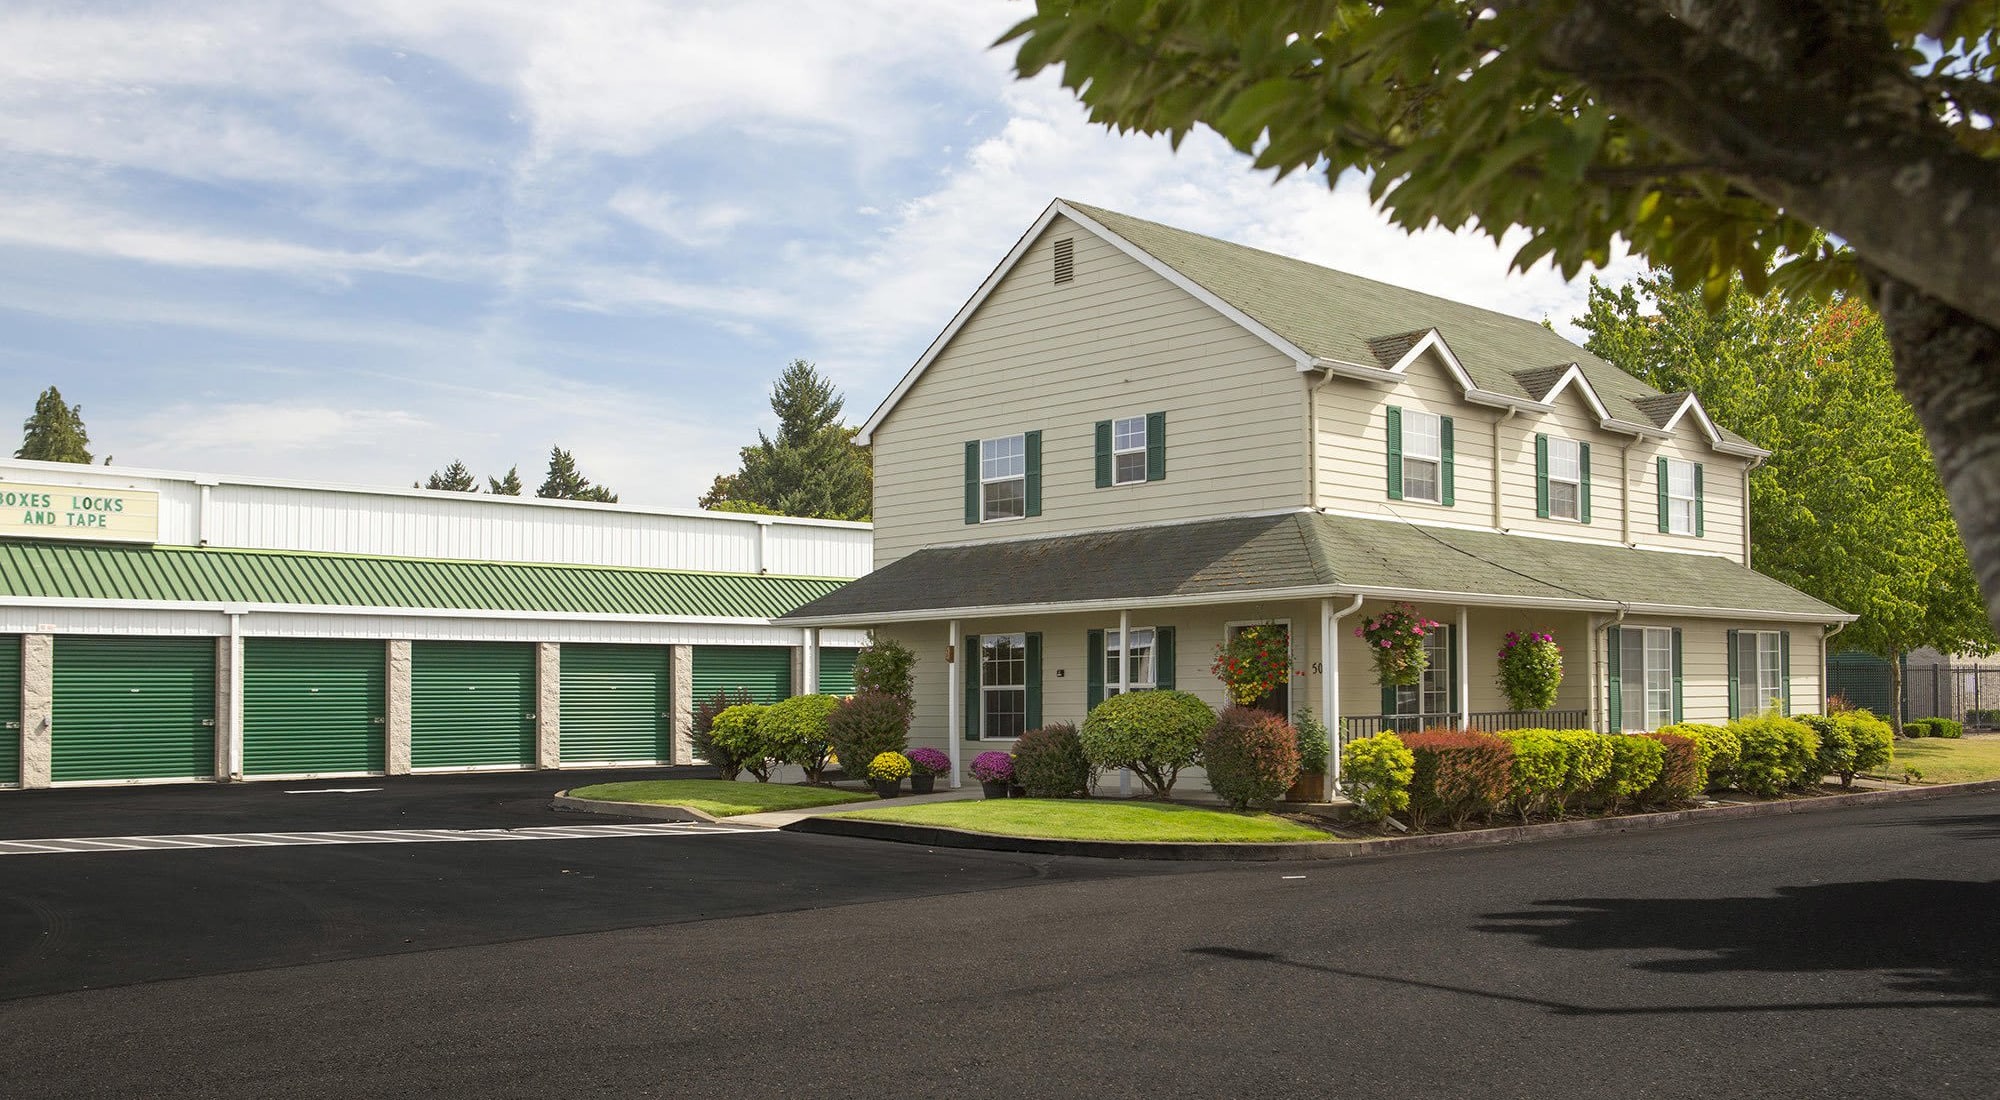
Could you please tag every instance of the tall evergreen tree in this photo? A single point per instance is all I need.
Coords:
(509, 486)
(813, 468)
(566, 482)
(456, 478)
(55, 432)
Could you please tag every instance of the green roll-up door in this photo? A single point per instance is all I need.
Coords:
(472, 704)
(765, 671)
(133, 708)
(616, 704)
(10, 708)
(313, 706)
(836, 671)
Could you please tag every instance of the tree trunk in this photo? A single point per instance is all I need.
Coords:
(1896, 715)
(1948, 366)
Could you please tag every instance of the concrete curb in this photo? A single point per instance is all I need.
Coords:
(650, 811)
(939, 837)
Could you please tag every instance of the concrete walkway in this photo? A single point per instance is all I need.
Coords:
(780, 818)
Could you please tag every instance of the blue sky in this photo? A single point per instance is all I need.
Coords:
(353, 240)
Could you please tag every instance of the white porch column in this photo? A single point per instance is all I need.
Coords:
(1124, 686)
(1463, 658)
(229, 699)
(810, 660)
(954, 687)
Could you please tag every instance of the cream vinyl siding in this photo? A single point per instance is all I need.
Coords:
(1353, 445)
(1705, 664)
(1572, 419)
(1722, 486)
(1116, 341)
(1361, 692)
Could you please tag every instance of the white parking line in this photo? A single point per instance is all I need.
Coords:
(41, 846)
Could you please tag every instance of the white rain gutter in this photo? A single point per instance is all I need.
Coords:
(1329, 679)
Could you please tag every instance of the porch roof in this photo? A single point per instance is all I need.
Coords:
(1300, 555)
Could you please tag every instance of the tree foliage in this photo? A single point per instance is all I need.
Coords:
(456, 479)
(1714, 137)
(813, 468)
(566, 482)
(55, 432)
(1849, 506)
(509, 486)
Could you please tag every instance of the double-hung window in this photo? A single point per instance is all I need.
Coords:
(1565, 479)
(1431, 697)
(1131, 450)
(1003, 478)
(1003, 685)
(1646, 677)
(1423, 455)
(1680, 495)
(1139, 667)
(1128, 450)
(1760, 675)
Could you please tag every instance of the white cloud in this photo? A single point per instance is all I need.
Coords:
(695, 226)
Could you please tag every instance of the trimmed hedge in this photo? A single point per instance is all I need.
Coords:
(1588, 764)
(1853, 742)
(1250, 757)
(1049, 762)
(1681, 779)
(727, 763)
(1718, 749)
(1635, 764)
(1933, 727)
(1375, 775)
(1459, 774)
(735, 732)
(794, 731)
(1779, 754)
(1154, 733)
(1540, 770)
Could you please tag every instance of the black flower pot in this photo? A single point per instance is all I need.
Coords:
(922, 784)
(993, 789)
(888, 788)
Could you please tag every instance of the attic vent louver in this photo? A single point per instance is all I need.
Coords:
(1065, 259)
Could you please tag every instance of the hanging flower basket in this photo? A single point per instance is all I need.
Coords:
(1255, 663)
(1396, 640)
(1531, 669)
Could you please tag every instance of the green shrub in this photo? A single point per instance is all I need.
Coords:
(702, 734)
(1920, 727)
(888, 666)
(1541, 762)
(865, 726)
(1852, 742)
(1314, 744)
(1375, 776)
(794, 731)
(1589, 761)
(1777, 753)
(1681, 780)
(1635, 764)
(735, 732)
(1459, 774)
(1154, 733)
(1947, 727)
(1251, 756)
(1717, 749)
(1049, 763)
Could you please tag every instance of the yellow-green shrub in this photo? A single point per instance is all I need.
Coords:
(1853, 742)
(1778, 753)
(1375, 775)
(794, 732)
(735, 732)
(1635, 764)
(1541, 763)
(1717, 748)
(1589, 761)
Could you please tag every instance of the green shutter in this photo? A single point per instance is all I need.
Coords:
(972, 481)
(764, 672)
(1156, 446)
(1541, 475)
(1735, 676)
(1661, 468)
(133, 708)
(1447, 492)
(1034, 463)
(472, 704)
(1700, 521)
(1395, 455)
(1093, 673)
(836, 671)
(1389, 699)
(1033, 720)
(1614, 682)
(1785, 671)
(616, 706)
(1163, 658)
(1583, 483)
(314, 706)
(968, 676)
(1104, 454)
(1677, 675)
(10, 708)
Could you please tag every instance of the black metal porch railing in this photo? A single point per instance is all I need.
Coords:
(1356, 726)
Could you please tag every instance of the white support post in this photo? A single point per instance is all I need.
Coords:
(954, 734)
(1124, 686)
(232, 733)
(810, 672)
(1463, 659)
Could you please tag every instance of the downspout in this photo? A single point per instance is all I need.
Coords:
(1329, 680)
(1312, 437)
(1600, 669)
(954, 733)
(1498, 513)
(1825, 684)
(1747, 470)
(1625, 495)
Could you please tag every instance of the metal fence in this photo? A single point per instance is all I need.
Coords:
(1967, 693)
(1358, 726)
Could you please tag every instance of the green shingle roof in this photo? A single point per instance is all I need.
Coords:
(1303, 550)
(93, 572)
(1333, 315)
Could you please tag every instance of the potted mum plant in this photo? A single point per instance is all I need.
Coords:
(995, 772)
(1531, 669)
(1254, 664)
(925, 766)
(1396, 640)
(887, 771)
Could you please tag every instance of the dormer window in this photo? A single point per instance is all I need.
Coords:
(1680, 497)
(1562, 479)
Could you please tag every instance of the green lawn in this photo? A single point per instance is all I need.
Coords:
(1960, 760)
(1083, 819)
(720, 797)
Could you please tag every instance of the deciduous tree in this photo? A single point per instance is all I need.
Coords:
(55, 432)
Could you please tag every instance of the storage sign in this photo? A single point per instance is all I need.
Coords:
(78, 512)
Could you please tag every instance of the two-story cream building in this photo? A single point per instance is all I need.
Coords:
(1134, 440)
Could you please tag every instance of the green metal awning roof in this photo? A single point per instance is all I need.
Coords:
(188, 575)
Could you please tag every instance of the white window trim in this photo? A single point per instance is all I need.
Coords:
(1116, 451)
(1577, 481)
(1754, 704)
(1628, 681)
(1674, 501)
(1152, 659)
(1021, 477)
(1436, 458)
(985, 688)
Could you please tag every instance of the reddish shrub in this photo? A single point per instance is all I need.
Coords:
(1251, 756)
(1681, 774)
(1459, 773)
